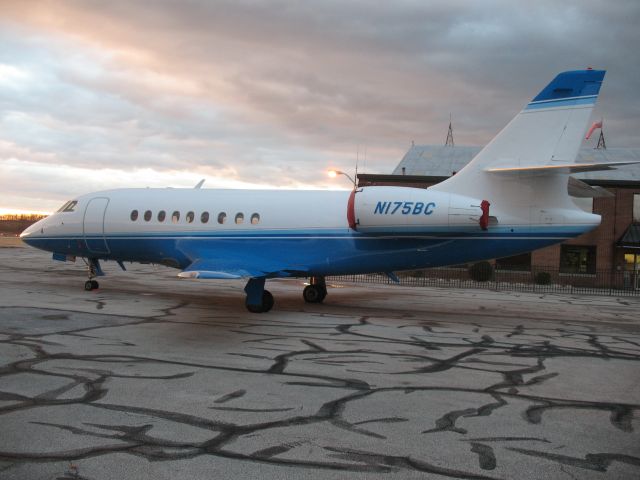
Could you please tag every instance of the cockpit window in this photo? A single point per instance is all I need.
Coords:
(70, 206)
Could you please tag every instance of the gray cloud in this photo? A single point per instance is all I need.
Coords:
(276, 92)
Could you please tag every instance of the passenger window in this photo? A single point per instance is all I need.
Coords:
(161, 215)
(222, 217)
(255, 219)
(239, 218)
(134, 215)
(204, 218)
(190, 217)
(147, 215)
(175, 217)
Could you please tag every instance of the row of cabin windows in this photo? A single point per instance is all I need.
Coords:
(190, 217)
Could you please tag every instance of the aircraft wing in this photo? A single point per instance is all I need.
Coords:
(245, 266)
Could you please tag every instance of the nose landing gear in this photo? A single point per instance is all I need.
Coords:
(93, 270)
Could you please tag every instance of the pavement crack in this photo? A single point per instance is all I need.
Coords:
(486, 457)
(598, 462)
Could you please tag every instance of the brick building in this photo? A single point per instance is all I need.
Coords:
(614, 194)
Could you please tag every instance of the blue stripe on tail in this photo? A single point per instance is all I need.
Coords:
(572, 84)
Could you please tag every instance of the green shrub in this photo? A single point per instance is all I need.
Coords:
(481, 271)
(543, 278)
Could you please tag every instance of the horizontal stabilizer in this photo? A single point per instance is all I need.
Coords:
(580, 189)
(559, 168)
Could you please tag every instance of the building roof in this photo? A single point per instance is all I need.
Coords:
(443, 161)
(631, 238)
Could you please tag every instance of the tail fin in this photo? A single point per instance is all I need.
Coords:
(547, 133)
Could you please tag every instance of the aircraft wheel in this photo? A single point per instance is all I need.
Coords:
(254, 308)
(88, 285)
(267, 303)
(314, 294)
(95, 284)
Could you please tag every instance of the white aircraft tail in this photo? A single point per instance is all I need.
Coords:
(528, 163)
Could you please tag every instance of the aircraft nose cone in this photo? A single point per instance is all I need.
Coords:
(30, 232)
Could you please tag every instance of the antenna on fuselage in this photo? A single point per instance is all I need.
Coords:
(355, 177)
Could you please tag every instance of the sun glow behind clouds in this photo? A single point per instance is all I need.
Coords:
(5, 211)
(78, 120)
(35, 187)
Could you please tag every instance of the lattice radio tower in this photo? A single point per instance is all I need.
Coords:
(449, 141)
(601, 143)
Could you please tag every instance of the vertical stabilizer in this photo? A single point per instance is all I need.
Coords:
(547, 132)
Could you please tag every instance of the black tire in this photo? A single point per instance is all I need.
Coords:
(95, 284)
(323, 295)
(88, 285)
(314, 294)
(254, 308)
(267, 303)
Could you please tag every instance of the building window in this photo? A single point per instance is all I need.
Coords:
(175, 217)
(161, 215)
(577, 259)
(222, 217)
(636, 208)
(190, 217)
(147, 215)
(204, 218)
(521, 263)
(134, 215)
(255, 219)
(239, 218)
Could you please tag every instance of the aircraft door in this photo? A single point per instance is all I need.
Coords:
(93, 225)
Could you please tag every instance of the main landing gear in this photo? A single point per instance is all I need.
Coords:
(265, 305)
(260, 300)
(93, 270)
(316, 291)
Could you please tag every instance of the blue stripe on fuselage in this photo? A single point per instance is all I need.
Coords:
(321, 252)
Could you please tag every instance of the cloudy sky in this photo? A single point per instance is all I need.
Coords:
(101, 94)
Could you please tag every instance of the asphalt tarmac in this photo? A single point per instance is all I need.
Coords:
(153, 377)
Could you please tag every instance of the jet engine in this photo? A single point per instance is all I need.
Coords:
(415, 210)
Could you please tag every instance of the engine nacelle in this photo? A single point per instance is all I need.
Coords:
(415, 210)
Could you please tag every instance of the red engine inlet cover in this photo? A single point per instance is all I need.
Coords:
(484, 219)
